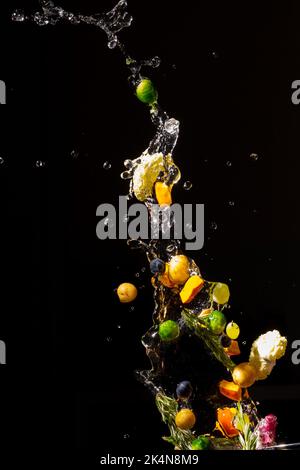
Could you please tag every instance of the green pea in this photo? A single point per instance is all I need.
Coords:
(146, 92)
(217, 322)
(168, 330)
(201, 443)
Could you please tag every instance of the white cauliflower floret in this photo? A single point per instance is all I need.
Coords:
(265, 351)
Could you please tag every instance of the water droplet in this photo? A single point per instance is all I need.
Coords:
(143, 269)
(126, 436)
(74, 154)
(254, 211)
(112, 43)
(1, 161)
(155, 62)
(214, 225)
(215, 55)
(128, 164)
(108, 339)
(187, 185)
(131, 309)
(137, 274)
(254, 156)
(40, 164)
(119, 327)
(229, 163)
(107, 165)
(231, 203)
(244, 342)
(18, 15)
(126, 175)
(130, 196)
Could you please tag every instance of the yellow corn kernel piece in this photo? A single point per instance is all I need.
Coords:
(163, 193)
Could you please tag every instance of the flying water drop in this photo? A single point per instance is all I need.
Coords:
(107, 165)
(187, 185)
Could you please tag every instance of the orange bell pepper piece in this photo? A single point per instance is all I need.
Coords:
(230, 390)
(225, 422)
(233, 349)
(191, 288)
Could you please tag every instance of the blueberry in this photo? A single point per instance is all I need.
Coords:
(225, 341)
(157, 266)
(184, 390)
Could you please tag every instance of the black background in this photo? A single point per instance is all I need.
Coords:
(226, 74)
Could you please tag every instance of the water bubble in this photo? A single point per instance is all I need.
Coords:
(215, 55)
(107, 165)
(155, 62)
(18, 15)
(187, 185)
(229, 163)
(254, 156)
(128, 164)
(112, 43)
(126, 175)
(214, 225)
(74, 154)
(40, 164)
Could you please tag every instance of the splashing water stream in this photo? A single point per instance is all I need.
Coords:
(189, 310)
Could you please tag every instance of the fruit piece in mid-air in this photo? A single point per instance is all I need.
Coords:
(244, 375)
(146, 91)
(184, 390)
(191, 288)
(127, 292)
(221, 293)
(232, 330)
(230, 390)
(185, 419)
(163, 193)
(201, 443)
(157, 266)
(179, 269)
(216, 322)
(168, 330)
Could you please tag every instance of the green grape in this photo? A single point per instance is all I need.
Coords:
(232, 330)
(217, 322)
(221, 293)
(168, 330)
